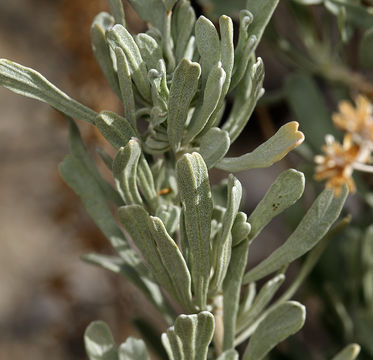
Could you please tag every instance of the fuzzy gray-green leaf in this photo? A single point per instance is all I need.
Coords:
(99, 342)
(195, 195)
(274, 149)
(145, 182)
(208, 45)
(116, 8)
(173, 261)
(350, 352)
(262, 12)
(78, 150)
(240, 229)
(249, 91)
(172, 344)
(152, 11)
(115, 129)
(183, 20)
(125, 83)
(314, 225)
(280, 323)
(229, 355)
(29, 83)
(101, 49)
(263, 298)
(125, 172)
(183, 88)
(136, 222)
(284, 192)
(195, 332)
(227, 60)
(150, 50)
(77, 176)
(232, 290)
(118, 36)
(211, 97)
(170, 216)
(222, 247)
(133, 349)
(214, 145)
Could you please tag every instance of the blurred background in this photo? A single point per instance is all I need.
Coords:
(47, 294)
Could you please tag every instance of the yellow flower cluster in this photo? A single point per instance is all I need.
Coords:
(340, 160)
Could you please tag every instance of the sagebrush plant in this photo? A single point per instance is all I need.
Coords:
(191, 238)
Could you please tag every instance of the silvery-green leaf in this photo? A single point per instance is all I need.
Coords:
(350, 352)
(125, 172)
(365, 49)
(314, 225)
(208, 45)
(150, 50)
(102, 22)
(133, 349)
(115, 129)
(262, 12)
(136, 222)
(249, 91)
(152, 11)
(232, 290)
(106, 158)
(125, 83)
(284, 192)
(280, 323)
(308, 104)
(168, 43)
(78, 177)
(243, 48)
(79, 151)
(183, 20)
(173, 261)
(169, 4)
(214, 145)
(358, 15)
(211, 97)
(263, 298)
(118, 36)
(223, 245)
(240, 229)
(195, 332)
(29, 83)
(145, 182)
(242, 62)
(274, 149)
(247, 299)
(195, 196)
(172, 344)
(160, 93)
(99, 343)
(183, 88)
(184, 245)
(170, 216)
(155, 146)
(116, 8)
(229, 355)
(139, 275)
(227, 60)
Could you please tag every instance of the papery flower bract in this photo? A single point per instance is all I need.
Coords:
(357, 121)
(337, 163)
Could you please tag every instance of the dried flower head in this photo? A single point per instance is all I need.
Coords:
(357, 121)
(337, 163)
